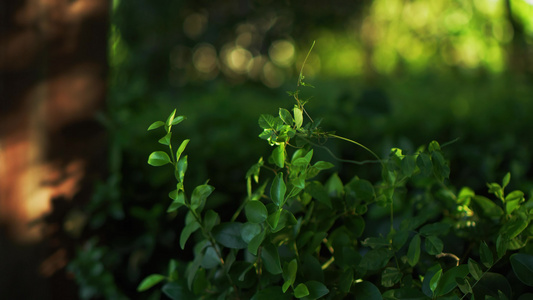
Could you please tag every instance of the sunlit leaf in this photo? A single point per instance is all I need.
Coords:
(298, 117)
(150, 281)
(199, 196)
(285, 116)
(278, 155)
(182, 168)
(181, 149)
(158, 158)
(301, 291)
(156, 124)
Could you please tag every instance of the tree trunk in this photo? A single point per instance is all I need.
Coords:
(53, 66)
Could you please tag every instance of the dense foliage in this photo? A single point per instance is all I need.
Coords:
(299, 235)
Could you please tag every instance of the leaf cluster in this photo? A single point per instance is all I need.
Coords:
(296, 236)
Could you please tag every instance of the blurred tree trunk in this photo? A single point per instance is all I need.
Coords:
(520, 53)
(53, 67)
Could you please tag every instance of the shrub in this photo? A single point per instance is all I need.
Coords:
(304, 232)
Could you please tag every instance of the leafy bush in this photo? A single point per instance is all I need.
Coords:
(302, 232)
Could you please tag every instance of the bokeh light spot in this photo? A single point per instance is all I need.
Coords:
(205, 58)
(282, 52)
(194, 25)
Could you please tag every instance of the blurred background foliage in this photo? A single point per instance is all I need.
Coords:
(387, 73)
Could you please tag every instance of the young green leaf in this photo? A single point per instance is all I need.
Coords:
(199, 196)
(298, 117)
(156, 124)
(278, 155)
(285, 116)
(181, 149)
(178, 120)
(150, 281)
(434, 282)
(273, 219)
(166, 139)
(413, 252)
(289, 274)
(323, 165)
(267, 122)
(301, 291)
(182, 168)
(158, 158)
(506, 180)
(278, 190)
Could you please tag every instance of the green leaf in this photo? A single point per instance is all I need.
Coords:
(285, 116)
(270, 258)
(273, 219)
(278, 190)
(502, 244)
(434, 245)
(249, 231)
(278, 155)
(488, 208)
(323, 165)
(158, 158)
(298, 117)
(514, 226)
(199, 196)
(439, 165)
(211, 219)
(390, 276)
(210, 258)
(254, 244)
(150, 281)
(485, 255)
(435, 229)
(317, 191)
(229, 235)
(506, 179)
(177, 290)
(434, 282)
(182, 168)
(413, 253)
(181, 149)
(301, 291)
(513, 200)
(346, 280)
(474, 269)
(289, 274)
(464, 285)
(267, 122)
(448, 281)
(434, 146)
(366, 290)
(187, 231)
(254, 170)
(166, 139)
(170, 118)
(334, 186)
(156, 124)
(523, 267)
(495, 189)
(408, 165)
(316, 289)
(423, 162)
(490, 285)
(178, 120)
(256, 211)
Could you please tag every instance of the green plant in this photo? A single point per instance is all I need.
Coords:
(298, 234)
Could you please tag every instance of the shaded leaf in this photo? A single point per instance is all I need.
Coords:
(270, 257)
(366, 290)
(229, 235)
(187, 231)
(278, 190)
(413, 252)
(523, 267)
(256, 211)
